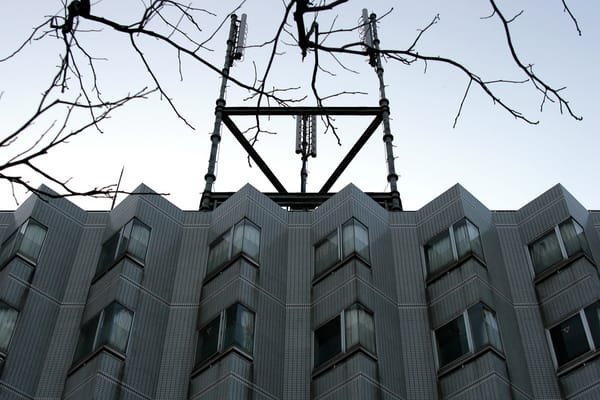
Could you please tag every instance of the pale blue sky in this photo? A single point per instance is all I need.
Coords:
(503, 162)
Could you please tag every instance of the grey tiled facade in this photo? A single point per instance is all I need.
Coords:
(170, 299)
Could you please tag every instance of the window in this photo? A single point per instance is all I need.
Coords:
(8, 321)
(232, 328)
(576, 336)
(351, 238)
(561, 243)
(132, 240)
(26, 241)
(110, 328)
(353, 328)
(473, 330)
(243, 238)
(450, 246)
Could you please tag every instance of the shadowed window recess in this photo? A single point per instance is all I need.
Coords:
(471, 331)
(243, 238)
(352, 329)
(352, 238)
(576, 336)
(561, 243)
(8, 322)
(232, 328)
(131, 240)
(27, 242)
(110, 328)
(448, 247)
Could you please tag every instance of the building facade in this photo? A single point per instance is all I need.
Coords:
(346, 301)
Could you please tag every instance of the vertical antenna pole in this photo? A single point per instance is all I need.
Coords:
(215, 137)
(385, 111)
(114, 200)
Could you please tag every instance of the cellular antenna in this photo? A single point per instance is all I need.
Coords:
(306, 143)
(240, 44)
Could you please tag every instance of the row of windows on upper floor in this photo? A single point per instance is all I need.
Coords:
(443, 252)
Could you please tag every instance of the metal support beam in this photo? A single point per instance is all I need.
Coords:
(351, 154)
(255, 156)
(273, 111)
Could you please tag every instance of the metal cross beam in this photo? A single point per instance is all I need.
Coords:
(273, 111)
(255, 156)
(351, 154)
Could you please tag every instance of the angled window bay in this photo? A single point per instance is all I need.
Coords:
(26, 242)
(352, 329)
(473, 330)
(447, 248)
(110, 328)
(352, 238)
(242, 239)
(561, 243)
(232, 328)
(131, 240)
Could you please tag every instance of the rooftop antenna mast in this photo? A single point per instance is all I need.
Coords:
(235, 51)
(306, 143)
(371, 43)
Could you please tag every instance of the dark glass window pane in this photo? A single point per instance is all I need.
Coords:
(466, 236)
(246, 239)
(359, 328)
(252, 241)
(115, 328)
(484, 327)
(569, 340)
(355, 239)
(573, 237)
(239, 328)
(33, 235)
(545, 252)
(326, 253)
(361, 240)
(452, 341)
(348, 243)
(219, 252)
(108, 253)
(87, 336)
(8, 320)
(238, 239)
(328, 341)
(137, 242)
(592, 314)
(438, 252)
(208, 341)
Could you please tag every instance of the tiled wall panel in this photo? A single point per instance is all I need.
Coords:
(171, 300)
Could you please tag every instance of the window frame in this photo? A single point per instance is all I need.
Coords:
(566, 258)
(593, 348)
(14, 242)
(474, 350)
(102, 266)
(457, 260)
(96, 347)
(345, 349)
(214, 270)
(341, 259)
(222, 347)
